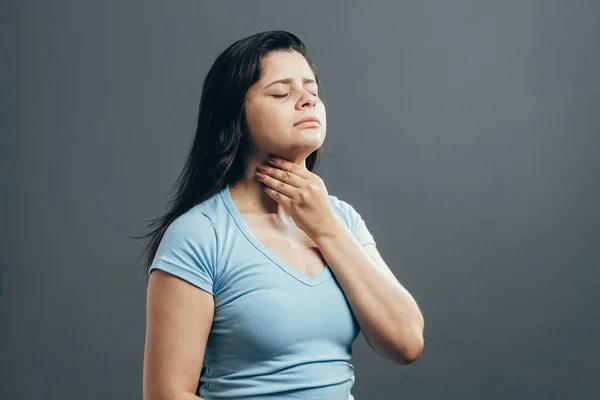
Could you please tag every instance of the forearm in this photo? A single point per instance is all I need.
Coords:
(386, 312)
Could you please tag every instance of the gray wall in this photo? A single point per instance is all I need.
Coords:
(466, 133)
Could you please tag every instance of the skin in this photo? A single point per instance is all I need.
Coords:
(288, 202)
(272, 131)
(298, 199)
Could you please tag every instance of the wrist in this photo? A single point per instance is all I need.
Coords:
(331, 228)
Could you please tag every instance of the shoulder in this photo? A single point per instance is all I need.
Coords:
(191, 237)
(353, 220)
(342, 206)
(192, 223)
(200, 219)
(344, 210)
(189, 249)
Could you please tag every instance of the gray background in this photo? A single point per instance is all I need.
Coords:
(466, 133)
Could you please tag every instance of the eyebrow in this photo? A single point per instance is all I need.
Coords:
(288, 80)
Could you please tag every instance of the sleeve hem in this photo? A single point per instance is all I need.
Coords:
(181, 273)
(364, 242)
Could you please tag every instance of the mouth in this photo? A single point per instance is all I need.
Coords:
(309, 123)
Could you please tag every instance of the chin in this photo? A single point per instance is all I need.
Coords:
(316, 133)
(316, 136)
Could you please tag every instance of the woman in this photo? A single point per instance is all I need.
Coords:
(261, 282)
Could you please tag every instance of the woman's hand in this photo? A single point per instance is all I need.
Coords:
(302, 194)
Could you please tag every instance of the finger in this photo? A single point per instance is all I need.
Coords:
(290, 167)
(277, 185)
(275, 195)
(283, 176)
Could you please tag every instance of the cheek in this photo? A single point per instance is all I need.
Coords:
(268, 120)
(322, 114)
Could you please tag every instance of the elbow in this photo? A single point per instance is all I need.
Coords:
(409, 350)
(402, 349)
(412, 355)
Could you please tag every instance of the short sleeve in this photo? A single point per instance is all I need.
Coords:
(188, 250)
(355, 223)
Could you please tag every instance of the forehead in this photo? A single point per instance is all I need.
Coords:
(285, 64)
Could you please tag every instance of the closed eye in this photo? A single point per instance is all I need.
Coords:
(279, 96)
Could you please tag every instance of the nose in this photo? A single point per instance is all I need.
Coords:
(309, 100)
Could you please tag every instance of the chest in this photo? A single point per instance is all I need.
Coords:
(263, 313)
(292, 245)
(268, 310)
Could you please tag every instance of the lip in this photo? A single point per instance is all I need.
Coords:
(311, 120)
(313, 124)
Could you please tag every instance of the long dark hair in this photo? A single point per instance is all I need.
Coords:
(217, 155)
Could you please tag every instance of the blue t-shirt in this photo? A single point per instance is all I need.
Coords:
(276, 333)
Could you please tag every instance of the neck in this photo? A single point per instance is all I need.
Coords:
(248, 193)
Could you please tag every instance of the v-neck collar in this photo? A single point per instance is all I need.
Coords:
(243, 226)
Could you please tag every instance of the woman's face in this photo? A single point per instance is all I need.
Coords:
(274, 108)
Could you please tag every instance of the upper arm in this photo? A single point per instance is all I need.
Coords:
(354, 222)
(178, 321)
(363, 235)
(180, 307)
